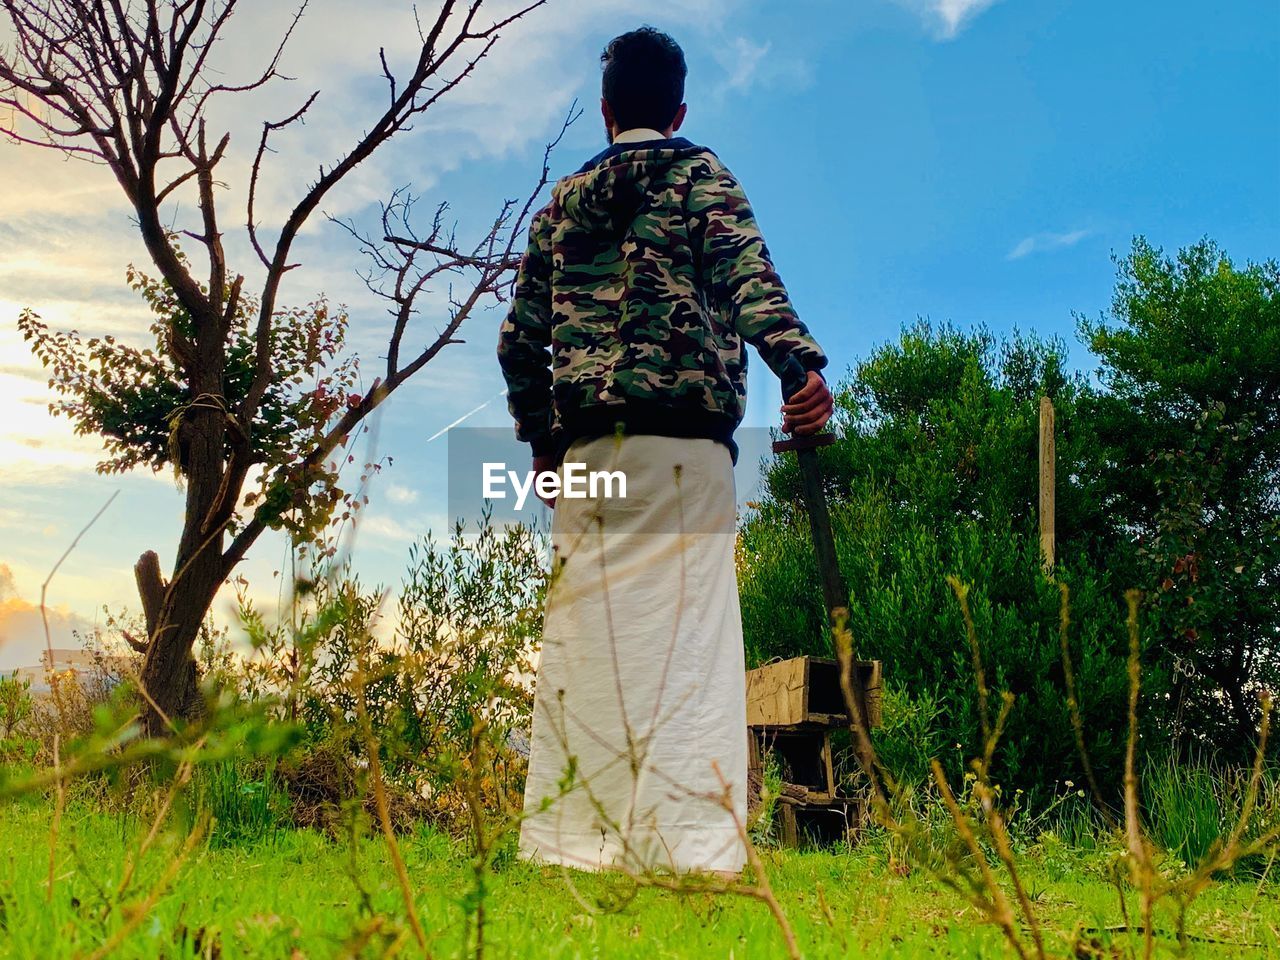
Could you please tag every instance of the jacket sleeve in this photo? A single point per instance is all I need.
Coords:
(739, 277)
(524, 343)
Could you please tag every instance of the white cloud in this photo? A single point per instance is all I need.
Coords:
(1044, 242)
(741, 61)
(384, 532)
(66, 234)
(22, 633)
(947, 18)
(35, 446)
(400, 494)
(747, 64)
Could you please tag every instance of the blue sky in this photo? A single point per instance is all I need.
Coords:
(966, 161)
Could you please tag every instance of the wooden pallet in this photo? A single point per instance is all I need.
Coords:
(806, 690)
(792, 707)
(805, 757)
(835, 821)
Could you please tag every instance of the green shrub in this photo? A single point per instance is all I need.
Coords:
(1167, 482)
(441, 683)
(16, 707)
(764, 828)
(935, 474)
(910, 736)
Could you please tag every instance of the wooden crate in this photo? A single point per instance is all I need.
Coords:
(805, 758)
(821, 824)
(806, 690)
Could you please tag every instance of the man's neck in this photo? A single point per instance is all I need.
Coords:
(638, 134)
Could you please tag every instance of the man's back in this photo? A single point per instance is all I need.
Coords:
(643, 278)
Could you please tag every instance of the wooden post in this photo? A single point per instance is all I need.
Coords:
(1047, 480)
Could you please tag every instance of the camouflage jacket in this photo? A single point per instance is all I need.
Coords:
(644, 278)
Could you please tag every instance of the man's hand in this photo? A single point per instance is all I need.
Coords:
(544, 464)
(809, 408)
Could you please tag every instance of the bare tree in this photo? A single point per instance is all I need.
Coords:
(129, 84)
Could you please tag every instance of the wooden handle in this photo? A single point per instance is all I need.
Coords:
(808, 442)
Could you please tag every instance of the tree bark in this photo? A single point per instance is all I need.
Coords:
(169, 671)
(150, 589)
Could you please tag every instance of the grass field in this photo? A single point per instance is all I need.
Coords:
(298, 894)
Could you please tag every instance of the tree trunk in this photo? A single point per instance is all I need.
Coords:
(169, 673)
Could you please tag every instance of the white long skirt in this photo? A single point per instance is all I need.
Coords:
(638, 754)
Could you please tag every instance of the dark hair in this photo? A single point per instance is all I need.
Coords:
(644, 73)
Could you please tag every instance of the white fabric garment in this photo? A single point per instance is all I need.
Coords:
(639, 134)
(642, 678)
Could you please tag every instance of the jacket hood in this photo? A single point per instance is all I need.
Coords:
(604, 195)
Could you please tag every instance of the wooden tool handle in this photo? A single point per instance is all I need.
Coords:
(807, 442)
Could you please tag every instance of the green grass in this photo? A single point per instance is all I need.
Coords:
(245, 808)
(298, 891)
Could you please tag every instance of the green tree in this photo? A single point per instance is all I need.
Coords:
(226, 388)
(1190, 431)
(936, 473)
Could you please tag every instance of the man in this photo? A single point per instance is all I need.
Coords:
(624, 349)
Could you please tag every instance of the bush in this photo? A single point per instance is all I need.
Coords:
(1168, 480)
(441, 688)
(16, 706)
(903, 613)
(910, 736)
(935, 474)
